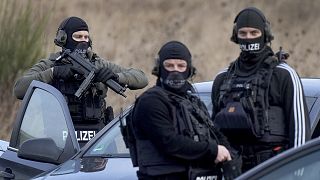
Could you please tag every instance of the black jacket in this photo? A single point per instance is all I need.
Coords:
(153, 122)
(285, 91)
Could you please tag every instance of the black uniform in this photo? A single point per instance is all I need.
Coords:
(173, 136)
(165, 148)
(287, 124)
(259, 102)
(89, 113)
(171, 139)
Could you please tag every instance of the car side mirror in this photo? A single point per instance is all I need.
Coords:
(40, 149)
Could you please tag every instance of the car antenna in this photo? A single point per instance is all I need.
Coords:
(121, 116)
(282, 55)
(121, 112)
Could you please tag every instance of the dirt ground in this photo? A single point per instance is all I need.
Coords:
(130, 32)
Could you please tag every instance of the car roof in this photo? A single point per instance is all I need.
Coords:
(311, 86)
(203, 87)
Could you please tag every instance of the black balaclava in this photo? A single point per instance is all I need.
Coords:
(251, 18)
(82, 48)
(71, 25)
(253, 51)
(173, 80)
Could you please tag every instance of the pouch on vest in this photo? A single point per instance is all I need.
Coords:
(277, 121)
(108, 115)
(128, 138)
(199, 173)
(234, 122)
(92, 106)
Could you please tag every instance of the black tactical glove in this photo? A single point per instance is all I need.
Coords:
(104, 74)
(232, 169)
(64, 72)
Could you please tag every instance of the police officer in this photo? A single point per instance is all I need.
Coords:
(259, 101)
(172, 137)
(89, 113)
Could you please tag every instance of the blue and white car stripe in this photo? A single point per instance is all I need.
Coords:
(298, 108)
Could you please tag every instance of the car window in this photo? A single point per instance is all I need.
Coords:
(310, 101)
(206, 98)
(43, 118)
(111, 143)
(306, 167)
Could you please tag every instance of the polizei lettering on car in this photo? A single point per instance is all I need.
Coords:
(81, 135)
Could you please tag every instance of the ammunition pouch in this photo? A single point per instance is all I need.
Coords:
(108, 115)
(254, 155)
(129, 139)
(93, 106)
(233, 120)
(252, 160)
(154, 162)
(277, 121)
(232, 169)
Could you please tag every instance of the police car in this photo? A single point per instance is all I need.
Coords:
(44, 144)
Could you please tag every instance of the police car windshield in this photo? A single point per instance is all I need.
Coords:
(110, 145)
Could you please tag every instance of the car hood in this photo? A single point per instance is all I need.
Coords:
(94, 168)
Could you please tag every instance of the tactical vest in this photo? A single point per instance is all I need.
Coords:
(245, 115)
(191, 120)
(89, 113)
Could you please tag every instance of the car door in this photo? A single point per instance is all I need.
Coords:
(298, 163)
(43, 135)
(103, 157)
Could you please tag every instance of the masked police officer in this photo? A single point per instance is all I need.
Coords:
(174, 135)
(89, 113)
(259, 101)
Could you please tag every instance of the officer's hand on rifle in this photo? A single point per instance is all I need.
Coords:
(104, 74)
(65, 72)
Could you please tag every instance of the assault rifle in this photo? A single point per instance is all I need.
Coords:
(88, 70)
